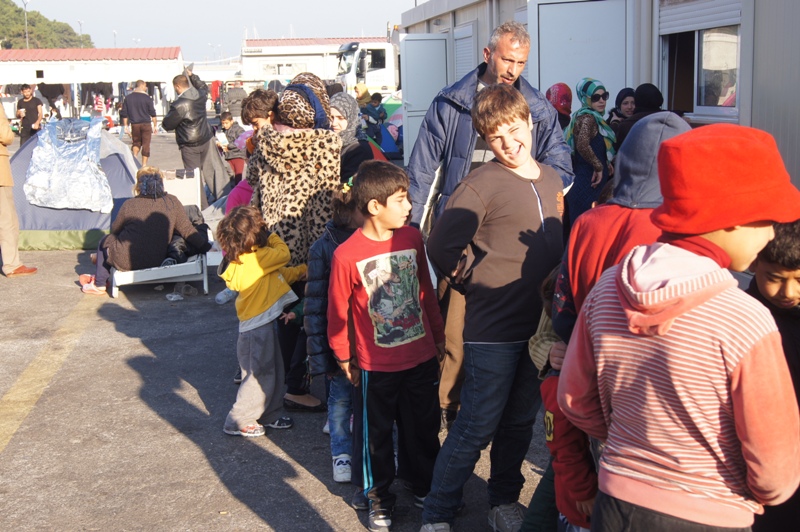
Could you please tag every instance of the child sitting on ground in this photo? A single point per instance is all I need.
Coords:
(680, 372)
(385, 330)
(374, 113)
(254, 266)
(346, 219)
(776, 284)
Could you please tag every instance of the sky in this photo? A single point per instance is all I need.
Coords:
(213, 29)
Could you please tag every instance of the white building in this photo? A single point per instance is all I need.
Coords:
(717, 60)
(79, 66)
(282, 59)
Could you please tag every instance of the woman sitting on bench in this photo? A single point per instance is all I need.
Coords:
(142, 231)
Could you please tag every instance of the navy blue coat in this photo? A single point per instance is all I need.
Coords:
(315, 322)
(447, 138)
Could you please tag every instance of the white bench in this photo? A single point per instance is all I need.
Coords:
(187, 186)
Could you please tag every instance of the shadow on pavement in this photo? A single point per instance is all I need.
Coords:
(192, 350)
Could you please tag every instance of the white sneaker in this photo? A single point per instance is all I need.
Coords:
(225, 296)
(435, 527)
(506, 518)
(326, 429)
(341, 468)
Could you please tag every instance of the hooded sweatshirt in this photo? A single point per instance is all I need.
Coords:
(601, 236)
(684, 376)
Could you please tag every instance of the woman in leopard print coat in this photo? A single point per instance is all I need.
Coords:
(295, 166)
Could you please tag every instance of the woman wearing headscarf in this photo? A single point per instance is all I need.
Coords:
(362, 94)
(355, 146)
(592, 143)
(294, 171)
(647, 100)
(623, 108)
(295, 166)
(142, 232)
(560, 97)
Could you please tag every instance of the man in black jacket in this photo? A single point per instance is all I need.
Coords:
(193, 133)
(187, 117)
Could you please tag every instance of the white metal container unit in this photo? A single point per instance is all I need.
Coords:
(729, 61)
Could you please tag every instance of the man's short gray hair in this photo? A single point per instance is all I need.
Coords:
(516, 30)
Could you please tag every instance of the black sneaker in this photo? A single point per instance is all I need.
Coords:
(380, 520)
(281, 423)
(237, 379)
(360, 501)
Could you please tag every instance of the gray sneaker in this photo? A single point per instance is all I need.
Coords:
(506, 518)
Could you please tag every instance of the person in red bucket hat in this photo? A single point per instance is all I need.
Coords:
(679, 372)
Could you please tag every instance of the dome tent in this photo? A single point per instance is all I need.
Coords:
(46, 228)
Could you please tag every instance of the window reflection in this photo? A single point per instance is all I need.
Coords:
(718, 62)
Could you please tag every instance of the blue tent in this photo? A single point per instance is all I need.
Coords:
(43, 228)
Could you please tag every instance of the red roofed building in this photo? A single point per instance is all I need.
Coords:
(79, 68)
(86, 65)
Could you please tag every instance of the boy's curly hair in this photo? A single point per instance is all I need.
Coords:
(242, 230)
(784, 249)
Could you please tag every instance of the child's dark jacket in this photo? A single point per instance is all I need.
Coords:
(320, 354)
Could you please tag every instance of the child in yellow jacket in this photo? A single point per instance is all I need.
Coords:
(257, 271)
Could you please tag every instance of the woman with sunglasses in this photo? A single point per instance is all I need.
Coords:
(592, 142)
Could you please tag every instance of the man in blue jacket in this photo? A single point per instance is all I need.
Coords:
(448, 148)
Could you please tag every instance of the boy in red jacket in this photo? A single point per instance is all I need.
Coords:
(385, 330)
(679, 372)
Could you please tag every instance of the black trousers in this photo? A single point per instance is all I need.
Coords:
(292, 338)
(411, 398)
(614, 515)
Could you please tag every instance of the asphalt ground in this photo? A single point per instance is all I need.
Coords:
(111, 414)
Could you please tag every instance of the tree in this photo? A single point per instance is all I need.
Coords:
(42, 32)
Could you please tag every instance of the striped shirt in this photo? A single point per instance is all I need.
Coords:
(687, 382)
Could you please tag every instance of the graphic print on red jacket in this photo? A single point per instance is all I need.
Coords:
(384, 288)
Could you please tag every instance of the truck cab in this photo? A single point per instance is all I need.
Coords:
(375, 65)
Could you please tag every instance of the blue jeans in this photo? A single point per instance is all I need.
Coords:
(499, 402)
(340, 408)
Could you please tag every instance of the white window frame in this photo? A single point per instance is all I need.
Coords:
(742, 112)
(716, 112)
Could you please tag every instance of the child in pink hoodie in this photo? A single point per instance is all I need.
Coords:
(680, 372)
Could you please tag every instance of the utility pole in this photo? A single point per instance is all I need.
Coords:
(115, 38)
(80, 32)
(25, 3)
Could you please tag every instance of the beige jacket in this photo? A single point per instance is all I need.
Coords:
(6, 138)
